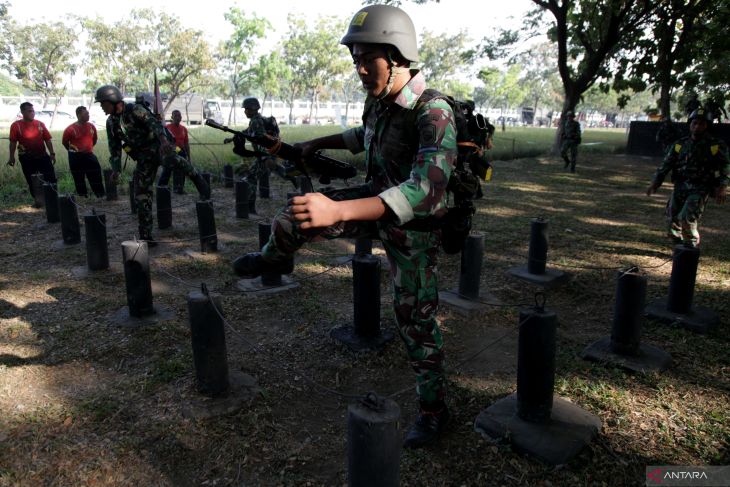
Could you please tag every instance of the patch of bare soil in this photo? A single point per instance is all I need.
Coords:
(84, 401)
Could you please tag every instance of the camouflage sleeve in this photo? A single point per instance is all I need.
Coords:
(115, 146)
(256, 129)
(153, 127)
(670, 159)
(423, 193)
(355, 139)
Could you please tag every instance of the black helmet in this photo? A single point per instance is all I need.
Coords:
(383, 24)
(701, 113)
(108, 93)
(252, 103)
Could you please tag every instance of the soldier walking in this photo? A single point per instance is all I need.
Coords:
(410, 149)
(134, 129)
(701, 167)
(570, 139)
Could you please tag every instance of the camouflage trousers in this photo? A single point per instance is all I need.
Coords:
(144, 179)
(257, 175)
(412, 256)
(684, 210)
(569, 152)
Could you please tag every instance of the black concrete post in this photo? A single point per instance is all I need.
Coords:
(267, 278)
(206, 226)
(137, 276)
(97, 249)
(209, 344)
(242, 193)
(628, 312)
(471, 266)
(164, 207)
(228, 176)
(366, 295)
(178, 181)
(206, 177)
(132, 197)
(536, 365)
(363, 246)
(537, 256)
(682, 280)
(69, 220)
(305, 184)
(110, 187)
(38, 193)
(50, 195)
(373, 443)
(264, 184)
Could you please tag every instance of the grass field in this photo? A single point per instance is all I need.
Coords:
(209, 153)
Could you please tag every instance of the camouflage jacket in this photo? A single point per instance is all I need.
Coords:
(697, 164)
(408, 166)
(571, 131)
(139, 133)
(256, 128)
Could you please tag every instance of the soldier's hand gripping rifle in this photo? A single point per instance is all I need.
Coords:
(326, 167)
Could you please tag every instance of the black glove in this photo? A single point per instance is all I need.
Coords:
(239, 145)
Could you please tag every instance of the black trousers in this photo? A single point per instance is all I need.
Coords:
(85, 165)
(32, 164)
(178, 176)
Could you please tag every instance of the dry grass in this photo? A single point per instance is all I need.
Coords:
(83, 402)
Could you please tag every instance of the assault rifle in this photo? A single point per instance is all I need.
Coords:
(326, 167)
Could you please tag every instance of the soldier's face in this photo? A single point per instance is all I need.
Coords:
(108, 107)
(371, 65)
(697, 127)
(249, 112)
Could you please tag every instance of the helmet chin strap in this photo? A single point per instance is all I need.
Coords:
(394, 71)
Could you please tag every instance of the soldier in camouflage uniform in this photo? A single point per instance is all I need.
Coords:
(134, 129)
(410, 150)
(569, 141)
(701, 167)
(667, 134)
(262, 164)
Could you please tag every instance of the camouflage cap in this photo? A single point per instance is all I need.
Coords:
(251, 103)
(108, 93)
(383, 24)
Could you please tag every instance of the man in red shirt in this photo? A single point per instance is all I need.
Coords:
(79, 139)
(181, 142)
(31, 138)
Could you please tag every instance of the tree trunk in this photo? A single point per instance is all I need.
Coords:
(569, 103)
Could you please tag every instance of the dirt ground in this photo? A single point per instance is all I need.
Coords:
(85, 401)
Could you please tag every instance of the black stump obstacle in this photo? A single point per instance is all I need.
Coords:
(223, 391)
(50, 196)
(534, 420)
(536, 271)
(363, 246)
(164, 207)
(373, 443)
(242, 195)
(677, 308)
(70, 230)
(110, 187)
(206, 226)
(624, 348)
(264, 188)
(36, 181)
(268, 282)
(227, 176)
(468, 299)
(366, 333)
(138, 284)
(207, 177)
(97, 249)
(178, 181)
(132, 197)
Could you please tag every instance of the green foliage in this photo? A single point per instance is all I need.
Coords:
(443, 57)
(502, 89)
(9, 87)
(40, 55)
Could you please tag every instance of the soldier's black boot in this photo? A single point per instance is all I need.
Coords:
(253, 265)
(427, 427)
(202, 187)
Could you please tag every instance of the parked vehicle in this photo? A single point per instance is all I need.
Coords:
(194, 109)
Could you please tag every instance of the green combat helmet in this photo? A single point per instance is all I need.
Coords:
(383, 24)
(251, 103)
(108, 93)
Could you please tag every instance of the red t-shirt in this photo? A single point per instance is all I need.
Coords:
(30, 136)
(80, 138)
(180, 133)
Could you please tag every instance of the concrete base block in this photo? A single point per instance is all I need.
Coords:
(123, 318)
(699, 319)
(256, 288)
(357, 343)
(551, 277)
(243, 389)
(197, 254)
(465, 306)
(649, 358)
(570, 429)
(61, 245)
(83, 272)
